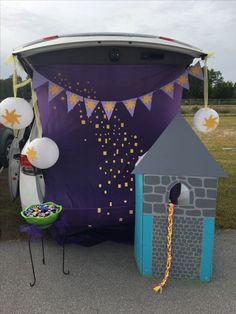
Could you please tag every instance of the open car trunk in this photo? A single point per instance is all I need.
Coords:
(99, 146)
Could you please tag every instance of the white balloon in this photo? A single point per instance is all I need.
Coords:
(42, 152)
(206, 120)
(15, 113)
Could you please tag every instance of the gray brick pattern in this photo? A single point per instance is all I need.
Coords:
(202, 195)
(186, 246)
(188, 221)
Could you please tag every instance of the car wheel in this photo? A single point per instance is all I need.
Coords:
(4, 152)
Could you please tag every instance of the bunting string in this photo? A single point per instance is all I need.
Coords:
(73, 99)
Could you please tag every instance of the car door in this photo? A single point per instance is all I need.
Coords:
(14, 165)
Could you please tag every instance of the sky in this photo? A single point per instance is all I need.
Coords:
(209, 25)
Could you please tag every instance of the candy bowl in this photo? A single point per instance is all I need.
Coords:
(43, 215)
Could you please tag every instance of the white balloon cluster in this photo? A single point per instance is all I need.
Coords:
(206, 120)
(15, 113)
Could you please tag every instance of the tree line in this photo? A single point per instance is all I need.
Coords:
(218, 88)
(6, 88)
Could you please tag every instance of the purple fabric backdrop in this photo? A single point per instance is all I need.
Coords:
(92, 177)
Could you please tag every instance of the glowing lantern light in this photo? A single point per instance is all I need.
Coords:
(15, 113)
(42, 152)
(206, 120)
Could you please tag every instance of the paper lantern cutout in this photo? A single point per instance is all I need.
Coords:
(15, 113)
(206, 120)
(42, 152)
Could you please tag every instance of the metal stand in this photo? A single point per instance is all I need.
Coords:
(32, 263)
(43, 259)
(63, 260)
(43, 252)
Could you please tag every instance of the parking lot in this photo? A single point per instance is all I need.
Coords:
(104, 279)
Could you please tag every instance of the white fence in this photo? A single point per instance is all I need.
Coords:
(192, 102)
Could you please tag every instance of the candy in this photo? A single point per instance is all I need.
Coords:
(40, 210)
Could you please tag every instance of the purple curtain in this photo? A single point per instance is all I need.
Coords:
(92, 178)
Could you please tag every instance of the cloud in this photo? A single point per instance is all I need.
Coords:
(208, 25)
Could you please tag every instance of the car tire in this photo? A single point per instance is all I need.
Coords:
(4, 151)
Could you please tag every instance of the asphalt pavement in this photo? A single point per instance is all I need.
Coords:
(104, 279)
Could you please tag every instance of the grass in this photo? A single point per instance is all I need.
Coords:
(223, 136)
(10, 219)
(221, 109)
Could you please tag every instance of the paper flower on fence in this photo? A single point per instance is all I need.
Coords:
(206, 120)
(42, 152)
(15, 113)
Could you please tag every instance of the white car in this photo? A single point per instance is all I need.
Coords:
(148, 50)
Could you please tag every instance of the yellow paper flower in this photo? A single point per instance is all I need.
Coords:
(54, 89)
(130, 104)
(182, 80)
(90, 104)
(31, 153)
(195, 70)
(73, 99)
(11, 117)
(146, 99)
(211, 122)
(109, 106)
(168, 88)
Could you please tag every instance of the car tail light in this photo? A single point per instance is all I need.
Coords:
(26, 166)
(50, 37)
(166, 38)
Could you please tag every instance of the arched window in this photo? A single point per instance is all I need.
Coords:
(180, 194)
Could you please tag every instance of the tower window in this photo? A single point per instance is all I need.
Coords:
(180, 194)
